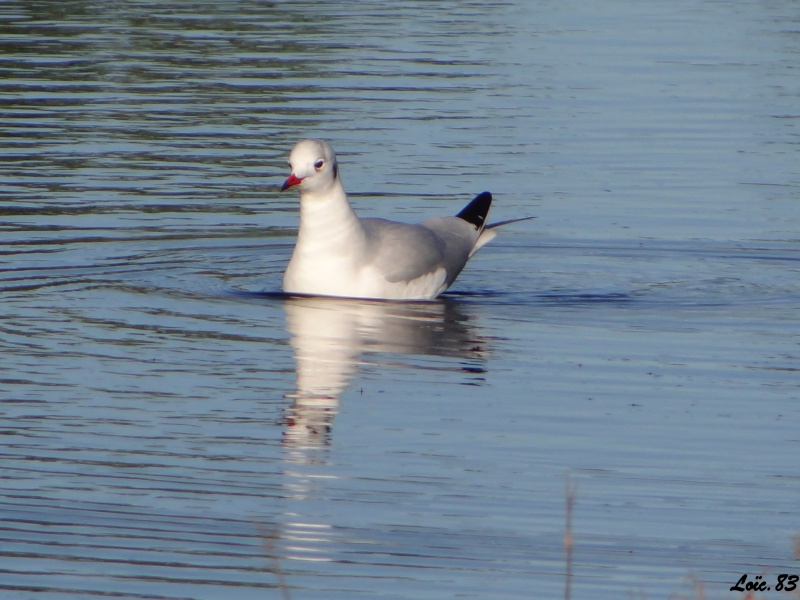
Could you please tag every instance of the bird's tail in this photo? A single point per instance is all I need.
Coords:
(508, 222)
(476, 213)
(489, 233)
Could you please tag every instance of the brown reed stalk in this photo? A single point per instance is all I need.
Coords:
(268, 543)
(569, 493)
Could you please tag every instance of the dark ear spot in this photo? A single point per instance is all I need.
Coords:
(335, 169)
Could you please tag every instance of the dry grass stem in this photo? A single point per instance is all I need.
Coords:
(568, 541)
(268, 543)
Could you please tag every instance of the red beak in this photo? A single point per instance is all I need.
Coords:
(292, 181)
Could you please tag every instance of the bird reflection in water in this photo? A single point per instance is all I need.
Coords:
(329, 336)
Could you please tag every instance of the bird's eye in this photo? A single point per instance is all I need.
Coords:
(319, 164)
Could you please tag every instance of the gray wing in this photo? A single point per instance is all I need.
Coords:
(405, 252)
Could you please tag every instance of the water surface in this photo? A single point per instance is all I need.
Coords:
(174, 428)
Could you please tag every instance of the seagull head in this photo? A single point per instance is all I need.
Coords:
(313, 166)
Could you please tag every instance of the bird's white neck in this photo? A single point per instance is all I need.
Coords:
(328, 222)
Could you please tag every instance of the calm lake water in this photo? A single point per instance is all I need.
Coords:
(173, 428)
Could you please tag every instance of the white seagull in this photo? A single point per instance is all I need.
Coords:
(338, 254)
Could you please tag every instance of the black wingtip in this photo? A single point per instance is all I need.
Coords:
(476, 211)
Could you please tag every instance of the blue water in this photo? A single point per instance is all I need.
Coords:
(172, 427)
